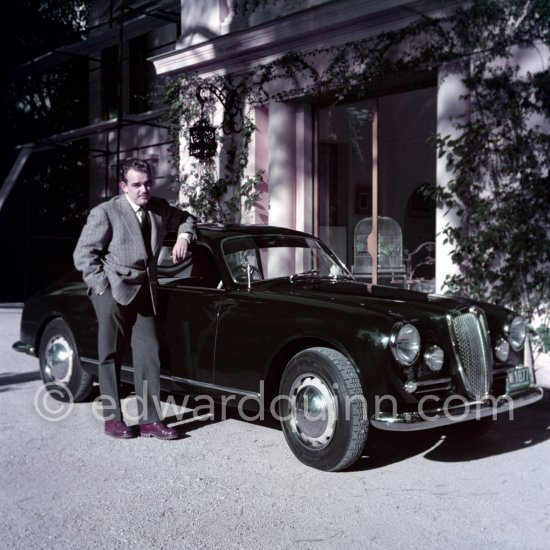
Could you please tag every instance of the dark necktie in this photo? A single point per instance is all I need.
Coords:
(143, 218)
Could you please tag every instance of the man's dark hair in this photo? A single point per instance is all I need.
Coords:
(134, 164)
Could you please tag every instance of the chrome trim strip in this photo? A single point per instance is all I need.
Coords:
(209, 386)
(436, 418)
(442, 388)
(96, 362)
(89, 360)
(24, 348)
(435, 385)
(434, 382)
(189, 382)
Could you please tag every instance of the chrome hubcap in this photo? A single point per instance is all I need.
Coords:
(59, 360)
(313, 411)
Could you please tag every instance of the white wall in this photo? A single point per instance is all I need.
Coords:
(449, 104)
(282, 164)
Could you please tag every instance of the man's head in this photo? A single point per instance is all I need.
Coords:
(136, 180)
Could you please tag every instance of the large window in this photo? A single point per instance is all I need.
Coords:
(374, 158)
(139, 74)
(110, 76)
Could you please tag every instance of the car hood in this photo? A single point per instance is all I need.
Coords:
(396, 302)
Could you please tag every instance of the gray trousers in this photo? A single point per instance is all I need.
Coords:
(118, 325)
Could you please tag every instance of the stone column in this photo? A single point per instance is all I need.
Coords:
(282, 164)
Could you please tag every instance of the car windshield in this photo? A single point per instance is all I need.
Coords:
(257, 258)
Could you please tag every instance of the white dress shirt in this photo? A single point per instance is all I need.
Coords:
(136, 207)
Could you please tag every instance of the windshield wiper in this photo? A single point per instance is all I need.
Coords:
(309, 273)
(316, 273)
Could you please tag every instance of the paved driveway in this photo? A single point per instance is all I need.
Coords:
(235, 484)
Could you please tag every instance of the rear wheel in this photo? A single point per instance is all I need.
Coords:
(60, 364)
(323, 410)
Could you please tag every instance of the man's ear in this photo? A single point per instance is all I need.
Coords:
(123, 186)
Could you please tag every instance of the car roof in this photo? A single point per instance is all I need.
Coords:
(219, 231)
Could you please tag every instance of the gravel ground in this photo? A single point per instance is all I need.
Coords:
(235, 484)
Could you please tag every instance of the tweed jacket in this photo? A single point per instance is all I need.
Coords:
(111, 252)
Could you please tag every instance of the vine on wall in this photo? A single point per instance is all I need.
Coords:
(214, 197)
(500, 158)
(499, 155)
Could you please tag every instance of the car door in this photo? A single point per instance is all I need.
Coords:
(243, 342)
(189, 301)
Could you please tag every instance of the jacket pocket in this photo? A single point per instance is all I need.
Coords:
(121, 270)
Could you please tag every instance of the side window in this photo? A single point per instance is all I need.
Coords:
(198, 269)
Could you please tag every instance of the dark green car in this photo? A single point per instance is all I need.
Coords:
(266, 317)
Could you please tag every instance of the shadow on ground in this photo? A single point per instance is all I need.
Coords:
(460, 443)
(10, 381)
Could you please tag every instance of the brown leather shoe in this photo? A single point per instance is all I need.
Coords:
(159, 430)
(118, 429)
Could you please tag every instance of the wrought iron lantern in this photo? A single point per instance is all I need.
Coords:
(202, 140)
(202, 135)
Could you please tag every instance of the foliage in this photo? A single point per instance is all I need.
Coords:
(248, 6)
(212, 197)
(499, 155)
(40, 103)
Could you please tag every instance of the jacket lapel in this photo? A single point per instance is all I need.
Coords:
(154, 222)
(157, 231)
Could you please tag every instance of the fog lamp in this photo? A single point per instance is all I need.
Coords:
(502, 350)
(433, 358)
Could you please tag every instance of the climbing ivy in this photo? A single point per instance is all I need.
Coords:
(500, 159)
(499, 153)
(213, 197)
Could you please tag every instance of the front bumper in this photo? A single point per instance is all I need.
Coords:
(425, 419)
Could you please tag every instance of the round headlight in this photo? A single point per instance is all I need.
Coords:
(517, 333)
(433, 358)
(405, 344)
(502, 350)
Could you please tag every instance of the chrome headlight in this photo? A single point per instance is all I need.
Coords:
(405, 344)
(502, 350)
(517, 332)
(433, 358)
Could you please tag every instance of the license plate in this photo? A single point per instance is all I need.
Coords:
(518, 379)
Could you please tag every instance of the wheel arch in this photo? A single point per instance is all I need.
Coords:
(76, 383)
(287, 352)
(44, 322)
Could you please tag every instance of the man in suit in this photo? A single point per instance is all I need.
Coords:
(117, 254)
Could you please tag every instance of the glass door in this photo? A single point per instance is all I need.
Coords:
(374, 158)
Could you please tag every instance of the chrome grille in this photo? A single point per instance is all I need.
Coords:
(472, 347)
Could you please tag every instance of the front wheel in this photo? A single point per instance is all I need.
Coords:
(60, 364)
(323, 409)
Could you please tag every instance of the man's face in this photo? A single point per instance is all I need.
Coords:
(138, 187)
